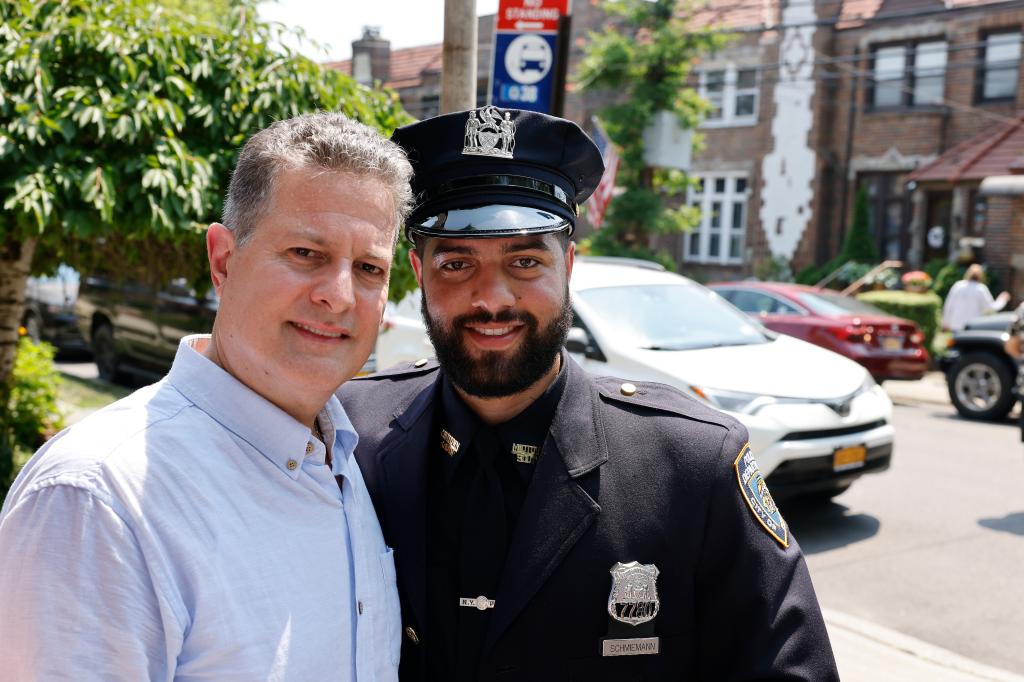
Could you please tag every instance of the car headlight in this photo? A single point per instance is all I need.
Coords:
(733, 401)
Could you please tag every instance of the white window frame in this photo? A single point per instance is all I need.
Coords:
(726, 232)
(730, 94)
(990, 65)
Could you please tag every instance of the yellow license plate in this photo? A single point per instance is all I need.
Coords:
(892, 343)
(849, 458)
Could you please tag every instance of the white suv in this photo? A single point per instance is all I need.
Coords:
(817, 420)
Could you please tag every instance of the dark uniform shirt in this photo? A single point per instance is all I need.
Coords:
(478, 477)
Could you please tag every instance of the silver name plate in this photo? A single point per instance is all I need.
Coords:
(630, 647)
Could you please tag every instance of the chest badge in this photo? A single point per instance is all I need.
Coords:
(448, 443)
(488, 133)
(634, 596)
(525, 454)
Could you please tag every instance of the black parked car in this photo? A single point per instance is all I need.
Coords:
(134, 330)
(981, 377)
(50, 310)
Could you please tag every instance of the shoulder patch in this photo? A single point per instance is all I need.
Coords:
(755, 492)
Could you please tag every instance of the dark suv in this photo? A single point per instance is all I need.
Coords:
(981, 377)
(134, 330)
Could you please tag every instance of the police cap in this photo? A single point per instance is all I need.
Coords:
(498, 172)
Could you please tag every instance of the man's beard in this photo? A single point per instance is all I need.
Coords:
(496, 374)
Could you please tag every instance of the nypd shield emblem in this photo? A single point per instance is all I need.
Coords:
(760, 501)
(490, 132)
(634, 595)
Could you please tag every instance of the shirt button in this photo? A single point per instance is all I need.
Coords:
(292, 465)
(309, 448)
(411, 634)
(359, 606)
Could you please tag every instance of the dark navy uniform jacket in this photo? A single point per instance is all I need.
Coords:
(648, 477)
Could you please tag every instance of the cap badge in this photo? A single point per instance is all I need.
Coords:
(488, 133)
(634, 596)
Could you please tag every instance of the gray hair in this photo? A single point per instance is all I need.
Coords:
(324, 141)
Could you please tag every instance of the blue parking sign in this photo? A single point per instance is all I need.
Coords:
(523, 74)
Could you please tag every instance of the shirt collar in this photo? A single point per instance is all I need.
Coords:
(278, 436)
(530, 427)
(458, 424)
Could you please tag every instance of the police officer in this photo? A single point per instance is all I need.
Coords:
(548, 524)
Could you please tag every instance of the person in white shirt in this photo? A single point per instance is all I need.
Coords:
(215, 525)
(970, 298)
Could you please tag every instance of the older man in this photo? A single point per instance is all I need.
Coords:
(551, 525)
(215, 525)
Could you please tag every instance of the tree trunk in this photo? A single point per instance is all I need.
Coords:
(15, 263)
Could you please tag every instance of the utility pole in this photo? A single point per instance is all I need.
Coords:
(458, 68)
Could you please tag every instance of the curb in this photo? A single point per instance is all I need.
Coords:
(915, 650)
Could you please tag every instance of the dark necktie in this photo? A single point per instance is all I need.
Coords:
(484, 545)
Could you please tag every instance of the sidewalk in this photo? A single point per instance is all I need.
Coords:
(866, 652)
(930, 389)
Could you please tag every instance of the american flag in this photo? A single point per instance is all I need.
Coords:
(598, 202)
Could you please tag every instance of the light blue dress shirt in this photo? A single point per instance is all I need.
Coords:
(193, 531)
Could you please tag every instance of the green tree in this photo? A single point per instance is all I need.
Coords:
(645, 54)
(119, 124)
(859, 245)
(204, 11)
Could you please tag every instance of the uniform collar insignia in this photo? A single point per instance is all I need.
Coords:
(524, 454)
(489, 133)
(448, 443)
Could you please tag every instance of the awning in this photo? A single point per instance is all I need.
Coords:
(1002, 186)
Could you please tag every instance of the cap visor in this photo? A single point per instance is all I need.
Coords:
(498, 220)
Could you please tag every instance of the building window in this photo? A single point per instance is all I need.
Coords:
(888, 213)
(908, 74)
(732, 93)
(999, 67)
(722, 200)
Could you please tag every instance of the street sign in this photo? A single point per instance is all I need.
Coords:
(525, 67)
(524, 71)
(523, 16)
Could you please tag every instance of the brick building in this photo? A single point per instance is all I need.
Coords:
(814, 101)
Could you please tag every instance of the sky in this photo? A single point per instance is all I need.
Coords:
(406, 23)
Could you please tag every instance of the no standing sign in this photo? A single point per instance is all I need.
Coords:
(525, 53)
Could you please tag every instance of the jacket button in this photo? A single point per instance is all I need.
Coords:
(627, 389)
(411, 635)
(421, 362)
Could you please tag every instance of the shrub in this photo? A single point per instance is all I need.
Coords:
(922, 309)
(947, 277)
(32, 409)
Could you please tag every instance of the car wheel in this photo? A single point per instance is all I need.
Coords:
(980, 386)
(33, 328)
(104, 352)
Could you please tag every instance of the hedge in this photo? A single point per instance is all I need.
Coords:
(924, 310)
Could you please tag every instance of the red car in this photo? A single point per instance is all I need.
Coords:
(889, 347)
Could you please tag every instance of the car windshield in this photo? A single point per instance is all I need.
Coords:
(832, 303)
(670, 317)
